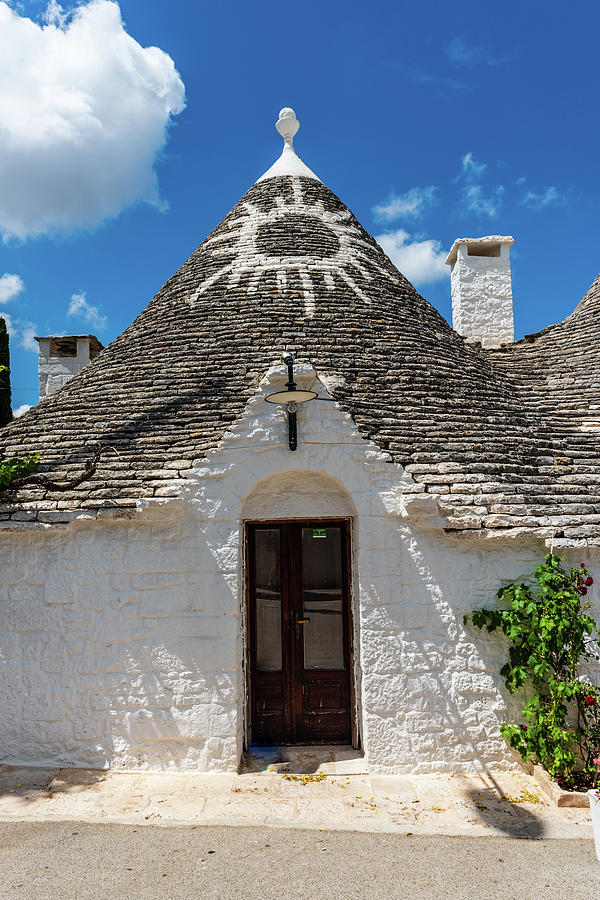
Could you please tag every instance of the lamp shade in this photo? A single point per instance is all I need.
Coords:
(286, 397)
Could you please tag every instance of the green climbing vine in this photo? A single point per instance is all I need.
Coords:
(16, 469)
(550, 633)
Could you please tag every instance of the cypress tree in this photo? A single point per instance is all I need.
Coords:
(5, 398)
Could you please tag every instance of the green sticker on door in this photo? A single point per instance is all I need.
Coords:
(319, 532)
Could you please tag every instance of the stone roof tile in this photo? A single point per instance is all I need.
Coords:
(291, 266)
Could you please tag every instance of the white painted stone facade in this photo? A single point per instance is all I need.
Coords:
(122, 641)
(482, 305)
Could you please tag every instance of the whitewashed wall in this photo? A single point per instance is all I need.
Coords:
(120, 647)
(482, 305)
(121, 642)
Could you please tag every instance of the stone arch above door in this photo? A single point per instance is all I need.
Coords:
(298, 494)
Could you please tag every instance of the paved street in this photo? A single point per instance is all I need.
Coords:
(74, 834)
(72, 861)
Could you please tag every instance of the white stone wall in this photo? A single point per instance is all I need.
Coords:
(482, 306)
(119, 646)
(122, 642)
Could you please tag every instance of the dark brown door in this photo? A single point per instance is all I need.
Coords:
(299, 632)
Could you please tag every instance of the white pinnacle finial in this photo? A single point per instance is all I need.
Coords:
(288, 163)
(287, 125)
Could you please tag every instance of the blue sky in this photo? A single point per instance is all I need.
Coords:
(431, 121)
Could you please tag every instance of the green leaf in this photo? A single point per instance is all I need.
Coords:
(13, 469)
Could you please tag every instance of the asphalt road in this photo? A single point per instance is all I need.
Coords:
(73, 861)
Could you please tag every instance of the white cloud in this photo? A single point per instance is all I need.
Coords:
(473, 196)
(478, 203)
(422, 262)
(22, 334)
(26, 332)
(54, 14)
(21, 410)
(413, 203)
(84, 113)
(472, 170)
(10, 287)
(83, 310)
(549, 197)
(462, 54)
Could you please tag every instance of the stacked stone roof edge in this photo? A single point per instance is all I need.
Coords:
(497, 437)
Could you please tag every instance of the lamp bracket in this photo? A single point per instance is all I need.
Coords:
(290, 398)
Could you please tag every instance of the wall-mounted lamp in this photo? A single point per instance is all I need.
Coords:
(290, 398)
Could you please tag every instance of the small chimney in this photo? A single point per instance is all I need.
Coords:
(482, 308)
(63, 357)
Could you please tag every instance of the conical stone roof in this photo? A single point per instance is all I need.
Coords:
(557, 370)
(291, 267)
(556, 374)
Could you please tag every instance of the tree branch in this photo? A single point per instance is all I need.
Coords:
(91, 464)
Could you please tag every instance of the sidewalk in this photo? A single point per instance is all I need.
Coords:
(331, 795)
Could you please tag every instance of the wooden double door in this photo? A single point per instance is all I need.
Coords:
(299, 632)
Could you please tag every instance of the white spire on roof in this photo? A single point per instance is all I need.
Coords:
(288, 163)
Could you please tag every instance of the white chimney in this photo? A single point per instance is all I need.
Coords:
(482, 308)
(62, 357)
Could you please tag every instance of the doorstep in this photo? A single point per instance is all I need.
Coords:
(304, 759)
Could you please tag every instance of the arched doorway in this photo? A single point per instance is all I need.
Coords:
(299, 615)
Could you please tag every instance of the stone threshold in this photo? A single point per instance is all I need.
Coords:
(557, 795)
(304, 759)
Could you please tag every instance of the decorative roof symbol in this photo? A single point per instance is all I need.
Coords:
(298, 240)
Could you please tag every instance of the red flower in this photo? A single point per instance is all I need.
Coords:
(589, 580)
(590, 701)
(582, 565)
(583, 591)
(524, 727)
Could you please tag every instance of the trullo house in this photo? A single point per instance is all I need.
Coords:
(301, 479)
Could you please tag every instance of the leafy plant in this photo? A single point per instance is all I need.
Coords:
(550, 633)
(14, 469)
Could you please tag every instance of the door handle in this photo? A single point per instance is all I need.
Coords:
(302, 621)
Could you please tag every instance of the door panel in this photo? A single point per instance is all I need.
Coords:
(268, 599)
(323, 677)
(299, 632)
(270, 707)
(322, 598)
